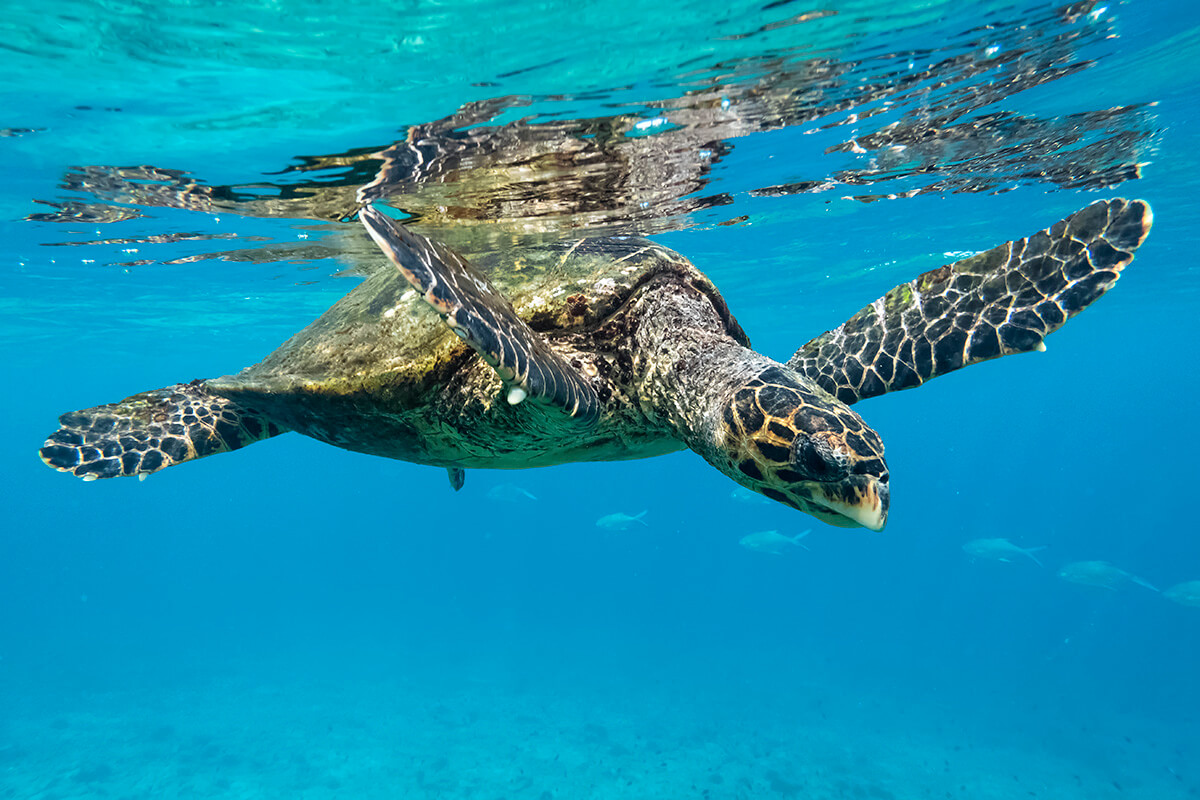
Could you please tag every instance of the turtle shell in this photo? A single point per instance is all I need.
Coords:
(383, 336)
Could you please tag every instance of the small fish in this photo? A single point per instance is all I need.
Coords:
(744, 495)
(509, 493)
(772, 542)
(620, 522)
(1186, 594)
(1100, 573)
(1001, 550)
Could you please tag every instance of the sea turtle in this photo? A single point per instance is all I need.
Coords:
(606, 349)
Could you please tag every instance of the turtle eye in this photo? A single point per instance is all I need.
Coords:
(815, 459)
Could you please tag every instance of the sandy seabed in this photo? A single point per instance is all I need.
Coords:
(476, 728)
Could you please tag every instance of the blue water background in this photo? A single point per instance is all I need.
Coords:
(297, 565)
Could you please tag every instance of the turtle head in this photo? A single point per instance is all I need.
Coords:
(783, 437)
(767, 426)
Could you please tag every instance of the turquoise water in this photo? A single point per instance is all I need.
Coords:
(294, 620)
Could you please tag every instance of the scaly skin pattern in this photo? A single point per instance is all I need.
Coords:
(1003, 301)
(151, 431)
(770, 429)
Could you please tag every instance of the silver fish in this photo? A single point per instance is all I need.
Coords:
(620, 522)
(744, 495)
(509, 493)
(772, 542)
(1102, 574)
(1186, 594)
(1001, 550)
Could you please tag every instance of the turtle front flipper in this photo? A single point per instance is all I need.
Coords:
(152, 430)
(484, 319)
(1003, 301)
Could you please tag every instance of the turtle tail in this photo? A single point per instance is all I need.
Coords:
(152, 430)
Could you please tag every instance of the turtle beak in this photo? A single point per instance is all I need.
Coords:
(861, 500)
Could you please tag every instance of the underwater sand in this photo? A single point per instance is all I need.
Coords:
(248, 728)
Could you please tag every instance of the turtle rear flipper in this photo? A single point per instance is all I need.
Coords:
(152, 430)
(481, 316)
(1003, 301)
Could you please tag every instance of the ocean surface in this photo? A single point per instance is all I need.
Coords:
(292, 620)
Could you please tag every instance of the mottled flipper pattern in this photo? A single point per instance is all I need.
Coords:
(152, 430)
(1003, 301)
(484, 319)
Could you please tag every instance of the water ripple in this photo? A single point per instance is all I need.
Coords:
(863, 112)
